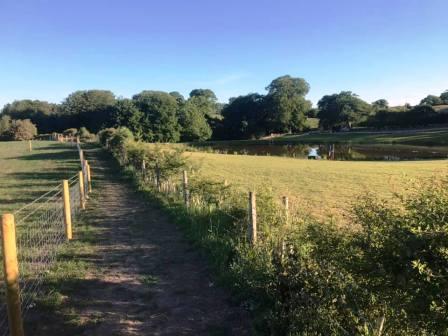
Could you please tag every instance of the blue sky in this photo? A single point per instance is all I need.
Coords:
(396, 49)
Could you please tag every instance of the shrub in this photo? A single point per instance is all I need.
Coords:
(104, 135)
(70, 132)
(405, 257)
(21, 130)
(85, 135)
(118, 141)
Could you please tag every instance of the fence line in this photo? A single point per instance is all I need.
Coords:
(179, 189)
(32, 236)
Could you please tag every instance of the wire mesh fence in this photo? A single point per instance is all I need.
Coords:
(40, 233)
(40, 230)
(75, 197)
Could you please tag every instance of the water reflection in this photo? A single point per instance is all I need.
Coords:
(337, 151)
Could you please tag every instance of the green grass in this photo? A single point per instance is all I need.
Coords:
(25, 175)
(66, 278)
(426, 137)
(322, 188)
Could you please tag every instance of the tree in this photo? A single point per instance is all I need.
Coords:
(22, 130)
(419, 115)
(126, 114)
(179, 98)
(160, 116)
(444, 97)
(380, 104)
(342, 109)
(39, 112)
(431, 100)
(245, 117)
(92, 108)
(312, 113)
(206, 93)
(5, 125)
(286, 104)
(206, 101)
(193, 122)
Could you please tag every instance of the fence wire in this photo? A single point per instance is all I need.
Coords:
(40, 234)
(175, 188)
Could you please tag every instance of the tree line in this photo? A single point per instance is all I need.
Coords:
(158, 116)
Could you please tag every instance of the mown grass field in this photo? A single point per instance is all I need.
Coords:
(25, 175)
(410, 137)
(322, 188)
(428, 137)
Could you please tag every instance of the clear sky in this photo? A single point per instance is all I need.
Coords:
(393, 49)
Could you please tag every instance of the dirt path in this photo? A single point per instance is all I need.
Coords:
(144, 278)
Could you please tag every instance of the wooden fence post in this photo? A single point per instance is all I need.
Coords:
(81, 156)
(11, 273)
(286, 206)
(252, 230)
(186, 191)
(158, 177)
(67, 209)
(143, 171)
(89, 177)
(30, 145)
(82, 200)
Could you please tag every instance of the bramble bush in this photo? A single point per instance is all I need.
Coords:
(305, 277)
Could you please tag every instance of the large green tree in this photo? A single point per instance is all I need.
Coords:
(342, 109)
(193, 122)
(206, 101)
(286, 104)
(444, 97)
(126, 114)
(244, 117)
(92, 109)
(160, 116)
(380, 104)
(431, 100)
(179, 98)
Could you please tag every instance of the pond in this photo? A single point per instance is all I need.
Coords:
(356, 152)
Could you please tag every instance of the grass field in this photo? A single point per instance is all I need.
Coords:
(427, 137)
(26, 175)
(323, 188)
